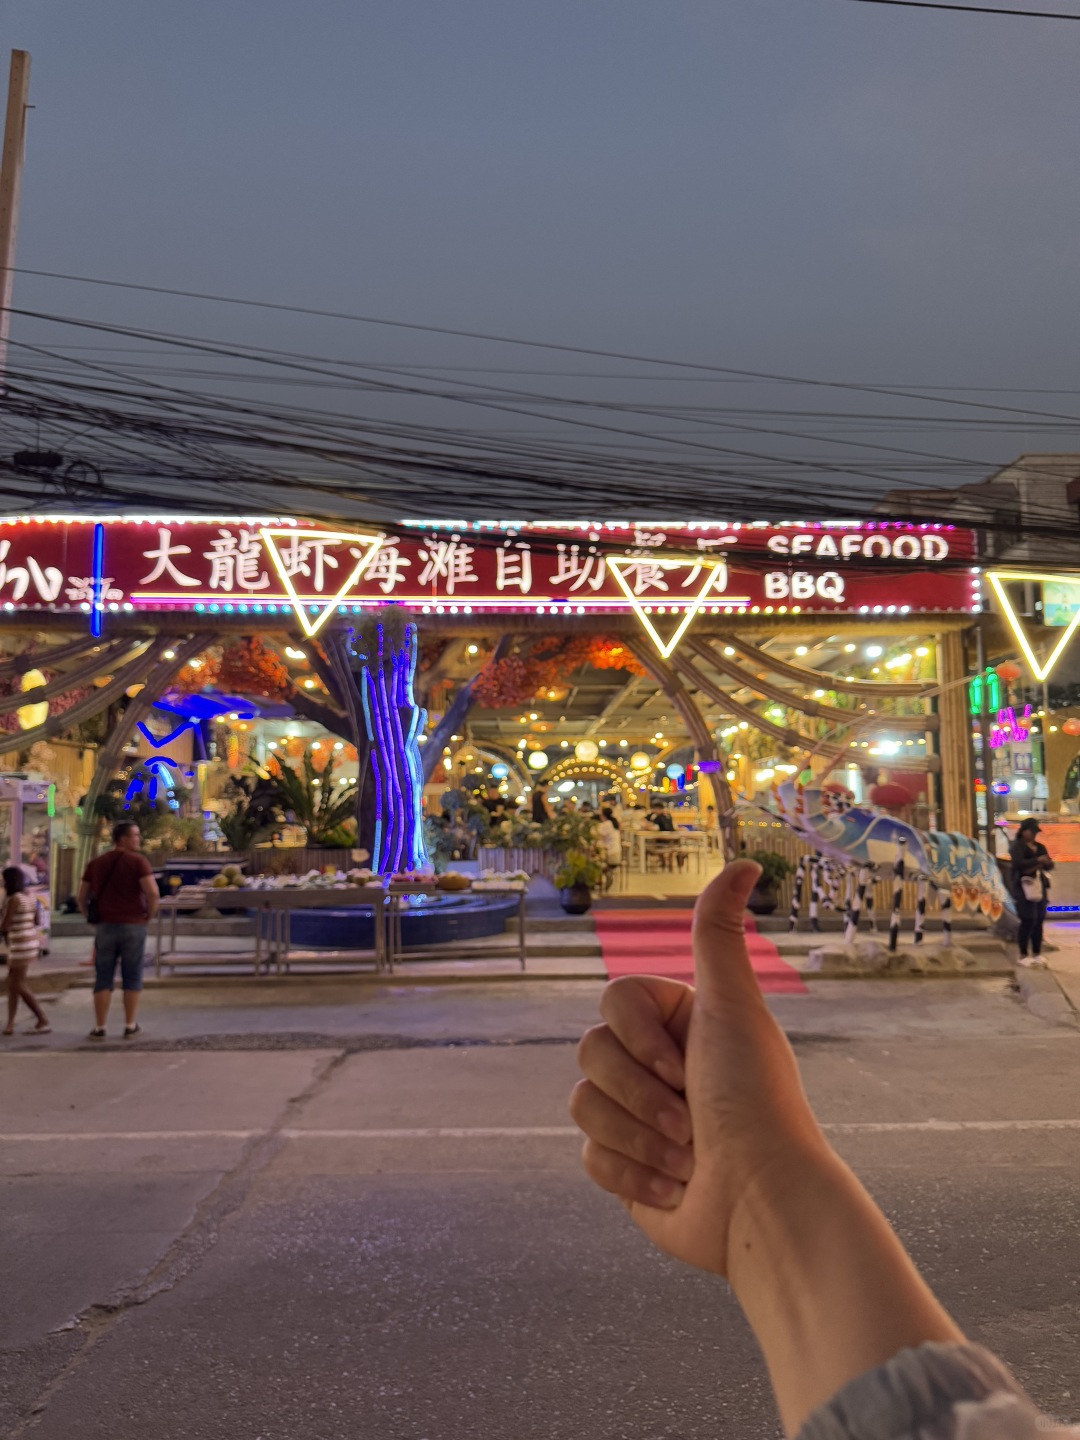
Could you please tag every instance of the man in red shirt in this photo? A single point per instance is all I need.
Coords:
(125, 895)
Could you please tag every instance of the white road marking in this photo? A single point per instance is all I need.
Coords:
(514, 1132)
(103, 1135)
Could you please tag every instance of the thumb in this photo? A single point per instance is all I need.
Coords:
(723, 974)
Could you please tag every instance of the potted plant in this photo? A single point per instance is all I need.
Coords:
(575, 880)
(774, 868)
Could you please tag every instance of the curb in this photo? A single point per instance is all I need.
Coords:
(1044, 997)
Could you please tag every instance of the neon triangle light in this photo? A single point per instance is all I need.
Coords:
(717, 574)
(998, 580)
(369, 544)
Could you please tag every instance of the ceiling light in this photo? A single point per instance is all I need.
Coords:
(848, 649)
(873, 651)
(801, 649)
(471, 649)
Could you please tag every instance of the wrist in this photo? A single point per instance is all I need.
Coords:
(824, 1281)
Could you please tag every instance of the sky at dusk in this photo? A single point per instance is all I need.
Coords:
(812, 187)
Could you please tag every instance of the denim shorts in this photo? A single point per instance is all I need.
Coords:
(121, 945)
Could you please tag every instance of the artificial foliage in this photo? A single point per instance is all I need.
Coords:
(516, 679)
(309, 792)
(254, 808)
(242, 667)
(578, 869)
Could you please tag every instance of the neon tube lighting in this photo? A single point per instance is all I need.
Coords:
(997, 579)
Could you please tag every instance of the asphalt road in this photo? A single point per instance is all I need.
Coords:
(330, 1217)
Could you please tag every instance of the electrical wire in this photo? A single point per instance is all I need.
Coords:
(975, 9)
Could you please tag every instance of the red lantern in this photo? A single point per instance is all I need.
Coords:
(1008, 671)
(1071, 726)
(889, 795)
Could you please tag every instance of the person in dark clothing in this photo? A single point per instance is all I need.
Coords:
(541, 809)
(1030, 886)
(663, 821)
(493, 801)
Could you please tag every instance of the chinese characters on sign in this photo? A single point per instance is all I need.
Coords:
(249, 564)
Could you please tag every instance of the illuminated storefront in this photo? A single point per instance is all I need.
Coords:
(769, 628)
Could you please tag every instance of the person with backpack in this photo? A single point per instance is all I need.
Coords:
(119, 896)
(20, 925)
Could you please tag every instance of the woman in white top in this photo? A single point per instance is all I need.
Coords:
(19, 924)
(607, 832)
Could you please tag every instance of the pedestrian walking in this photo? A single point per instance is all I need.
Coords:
(119, 896)
(20, 926)
(1030, 886)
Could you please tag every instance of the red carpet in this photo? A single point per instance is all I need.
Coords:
(657, 942)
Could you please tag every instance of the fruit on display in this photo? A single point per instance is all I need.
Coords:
(453, 880)
(229, 877)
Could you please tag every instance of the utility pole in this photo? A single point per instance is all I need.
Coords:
(11, 167)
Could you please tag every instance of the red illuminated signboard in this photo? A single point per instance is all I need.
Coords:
(172, 563)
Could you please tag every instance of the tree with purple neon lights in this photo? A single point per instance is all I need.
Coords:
(382, 660)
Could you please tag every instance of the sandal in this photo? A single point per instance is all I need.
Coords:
(39, 1030)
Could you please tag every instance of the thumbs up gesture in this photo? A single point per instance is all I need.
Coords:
(691, 1102)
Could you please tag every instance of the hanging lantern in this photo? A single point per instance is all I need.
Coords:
(1008, 671)
(640, 761)
(890, 796)
(586, 750)
(537, 759)
(1071, 726)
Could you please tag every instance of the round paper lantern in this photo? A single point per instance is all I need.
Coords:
(500, 771)
(675, 772)
(640, 761)
(31, 716)
(1008, 671)
(889, 795)
(537, 759)
(1071, 726)
(586, 750)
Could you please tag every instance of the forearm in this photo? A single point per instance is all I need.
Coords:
(825, 1284)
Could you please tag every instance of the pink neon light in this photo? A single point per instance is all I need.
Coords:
(1008, 728)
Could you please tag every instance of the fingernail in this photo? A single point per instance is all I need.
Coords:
(675, 1124)
(665, 1191)
(671, 1073)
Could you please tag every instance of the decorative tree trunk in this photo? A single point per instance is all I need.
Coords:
(374, 664)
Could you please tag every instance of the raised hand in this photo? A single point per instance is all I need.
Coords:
(691, 1103)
